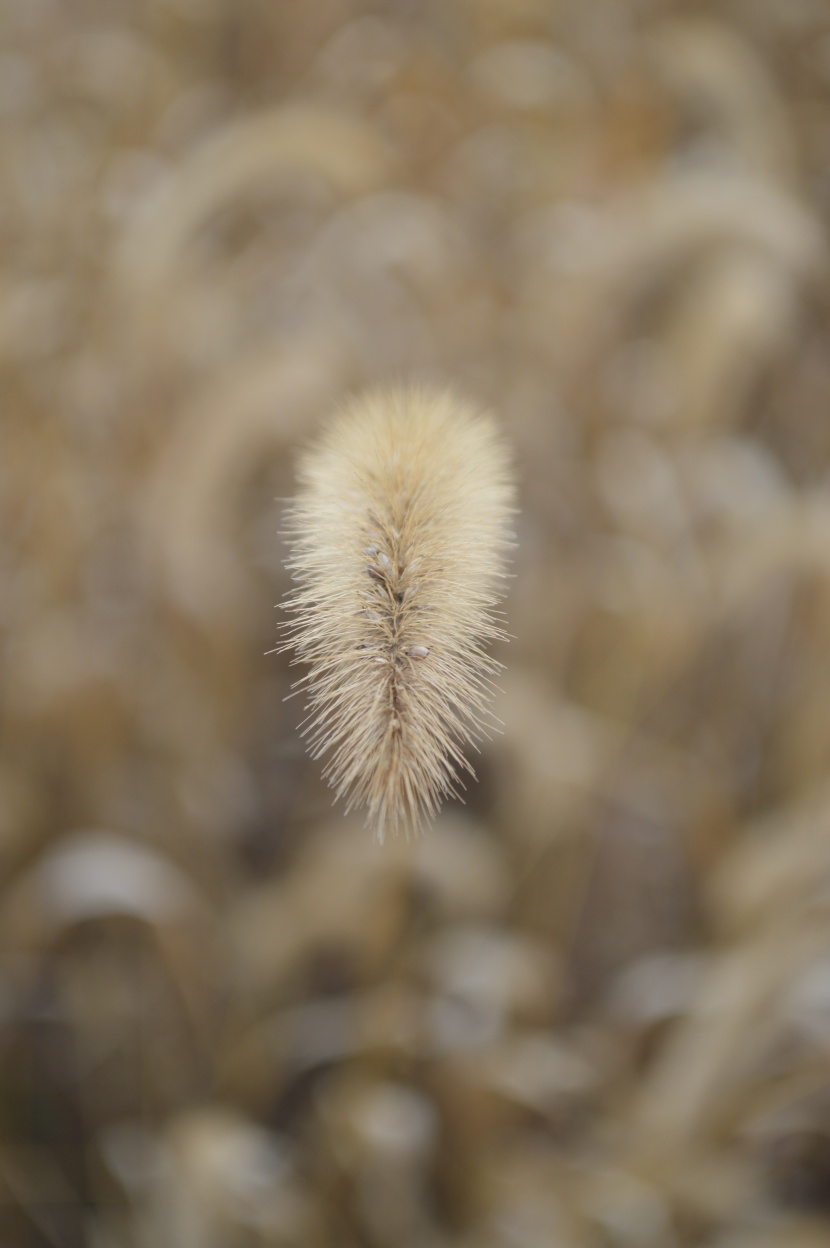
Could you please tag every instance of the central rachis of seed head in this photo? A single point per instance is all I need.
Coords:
(398, 540)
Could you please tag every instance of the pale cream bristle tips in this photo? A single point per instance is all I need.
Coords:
(398, 539)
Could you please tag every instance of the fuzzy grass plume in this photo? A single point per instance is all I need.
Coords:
(398, 540)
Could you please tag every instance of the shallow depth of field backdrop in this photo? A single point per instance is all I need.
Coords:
(591, 1008)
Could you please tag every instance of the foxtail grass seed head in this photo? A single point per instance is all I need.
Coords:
(398, 539)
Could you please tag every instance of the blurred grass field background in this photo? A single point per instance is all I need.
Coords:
(591, 1008)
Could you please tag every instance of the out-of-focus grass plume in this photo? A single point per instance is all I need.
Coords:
(592, 1007)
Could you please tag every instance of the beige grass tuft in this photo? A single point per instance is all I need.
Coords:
(398, 540)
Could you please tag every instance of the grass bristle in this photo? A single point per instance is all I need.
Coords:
(398, 540)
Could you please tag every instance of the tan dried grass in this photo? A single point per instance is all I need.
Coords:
(398, 540)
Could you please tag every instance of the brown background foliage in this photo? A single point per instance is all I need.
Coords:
(592, 1007)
